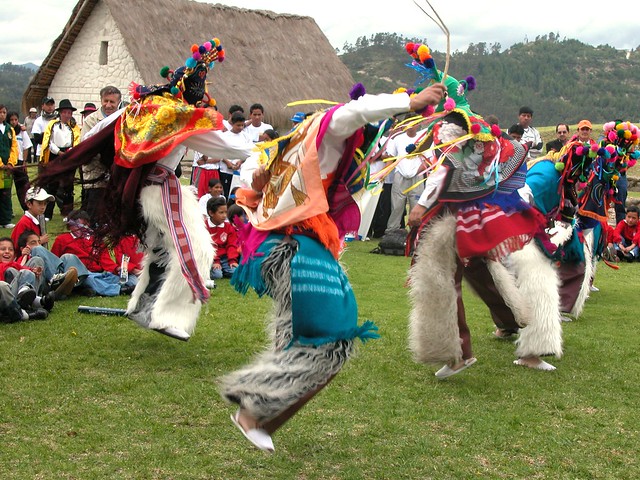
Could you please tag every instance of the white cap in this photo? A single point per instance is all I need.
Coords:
(33, 110)
(40, 194)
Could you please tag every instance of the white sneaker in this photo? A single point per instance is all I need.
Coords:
(593, 288)
(9, 225)
(210, 284)
(174, 332)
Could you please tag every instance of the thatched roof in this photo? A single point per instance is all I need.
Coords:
(271, 58)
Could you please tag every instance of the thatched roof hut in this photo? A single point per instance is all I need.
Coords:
(271, 58)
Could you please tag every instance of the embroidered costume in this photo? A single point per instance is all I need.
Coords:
(143, 145)
(290, 252)
(471, 219)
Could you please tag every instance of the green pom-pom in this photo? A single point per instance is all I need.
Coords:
(175, 90)
(164, 71)
(560, 166)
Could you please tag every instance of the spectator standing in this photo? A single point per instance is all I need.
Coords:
(208, 170)
(228, 166)
(29, 121)
(47, 113)
(405, 177)
(584, 132)
(215, 191)
(20, 176)
(531, 135)
(60, 135)
(562, 137)
(516, 131)
(94, 174)
(232, 110)
(256, 126)
(8, 160)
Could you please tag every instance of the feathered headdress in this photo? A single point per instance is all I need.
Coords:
(187, 82)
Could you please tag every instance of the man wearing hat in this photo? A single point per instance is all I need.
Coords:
(60, 136)
(48, 113)
(89, 108)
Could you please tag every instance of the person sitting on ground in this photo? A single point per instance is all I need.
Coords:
(26, 280)
(128, 255)
(61, 274)
(224, 237)
(104, 273)
(626, 236)
(10, 309)
(215, 191)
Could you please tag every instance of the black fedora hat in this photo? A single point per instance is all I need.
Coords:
(65, 104)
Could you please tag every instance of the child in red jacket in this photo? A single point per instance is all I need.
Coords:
(625, 235)
(224, 237)
(26, 280)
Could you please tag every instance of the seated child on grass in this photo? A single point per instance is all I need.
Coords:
(224, 237)
(626, 236)
(104, 273)
(25, 280)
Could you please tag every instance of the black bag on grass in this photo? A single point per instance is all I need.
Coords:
(394, 242)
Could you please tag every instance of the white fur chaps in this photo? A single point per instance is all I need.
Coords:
(172, 304)
(434, 336)
(537, 281)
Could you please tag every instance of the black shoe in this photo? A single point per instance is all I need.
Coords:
(47, 301)
(127, 289)
(26, 296)
(38, 314)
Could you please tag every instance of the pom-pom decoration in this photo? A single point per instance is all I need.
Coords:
(191, 63)
(410, 148)
(422, 63)
(194, 48)
(449, 104)
(495, 130)
(164, 71)
(475, 128)
(357, 91)
(175, 90)
(559, 166)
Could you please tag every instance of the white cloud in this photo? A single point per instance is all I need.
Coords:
(30, 29)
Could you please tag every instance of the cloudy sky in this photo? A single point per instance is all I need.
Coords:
(31, 26)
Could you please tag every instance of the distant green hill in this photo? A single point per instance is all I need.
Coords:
(561, 80)
(13, 81)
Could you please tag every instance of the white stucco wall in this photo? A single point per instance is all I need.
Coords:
(80, 77)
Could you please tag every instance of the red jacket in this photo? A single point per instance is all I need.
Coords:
(25, 223)
(129, 246)
(94, 260)
(624, 231)
(225, 238)
(5, 266)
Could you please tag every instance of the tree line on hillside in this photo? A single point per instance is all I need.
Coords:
(13, 81)
(562, 80)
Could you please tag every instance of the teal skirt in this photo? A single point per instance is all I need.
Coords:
(323, 306)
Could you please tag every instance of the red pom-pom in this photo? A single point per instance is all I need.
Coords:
(495, 130)
(409, 48)
(475, 128)
(194, 48)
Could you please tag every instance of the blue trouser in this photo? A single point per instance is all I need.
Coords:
(54, 264)
(19, 278)
(225, 271)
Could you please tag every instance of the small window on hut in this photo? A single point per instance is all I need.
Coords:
(104, 53)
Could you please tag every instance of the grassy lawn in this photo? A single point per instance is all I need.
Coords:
(95, 397)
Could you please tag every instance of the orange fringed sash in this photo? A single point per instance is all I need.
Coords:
(150, 129)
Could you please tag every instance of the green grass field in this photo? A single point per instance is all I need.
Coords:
(96, 397)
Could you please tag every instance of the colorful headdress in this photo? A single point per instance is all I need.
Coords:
(187, 82)
(625, 136)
